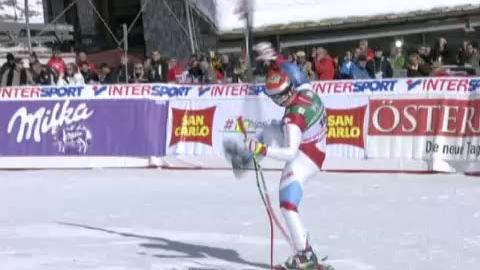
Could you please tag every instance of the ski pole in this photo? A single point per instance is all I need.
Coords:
(259, 177)
(268, 201)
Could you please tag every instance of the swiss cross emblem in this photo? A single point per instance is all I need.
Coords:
(274, 79)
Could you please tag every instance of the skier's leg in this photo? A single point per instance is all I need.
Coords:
(294, 175)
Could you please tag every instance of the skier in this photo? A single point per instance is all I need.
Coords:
(303, 150)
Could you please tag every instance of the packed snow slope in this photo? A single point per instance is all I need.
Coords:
(167, 219)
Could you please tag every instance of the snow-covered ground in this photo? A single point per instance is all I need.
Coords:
(165, 219)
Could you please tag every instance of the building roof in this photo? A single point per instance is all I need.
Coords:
(362, 21)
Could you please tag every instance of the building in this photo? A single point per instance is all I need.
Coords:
(338, 35)
(162, 25)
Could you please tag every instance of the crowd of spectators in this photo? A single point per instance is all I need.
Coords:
(362, 62)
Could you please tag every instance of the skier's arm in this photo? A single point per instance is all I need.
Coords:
(293, 138)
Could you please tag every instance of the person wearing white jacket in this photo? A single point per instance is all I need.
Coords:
(71, 77)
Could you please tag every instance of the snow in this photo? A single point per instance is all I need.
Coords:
(268, 12)
(9, 8)
(169, 219)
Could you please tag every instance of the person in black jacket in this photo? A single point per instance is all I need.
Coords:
(105, 76)
(88, 75)
(415, 68)
(10, 64)
(442, 54)
(379, 67)
(159, 68)
(42, 75)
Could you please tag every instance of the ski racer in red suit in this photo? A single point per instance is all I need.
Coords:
(303, 150)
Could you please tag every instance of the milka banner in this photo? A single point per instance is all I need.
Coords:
(83, 127)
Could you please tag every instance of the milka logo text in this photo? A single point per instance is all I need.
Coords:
(43, 121)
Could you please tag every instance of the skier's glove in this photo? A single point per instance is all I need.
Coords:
(256, 147)
(265, 52)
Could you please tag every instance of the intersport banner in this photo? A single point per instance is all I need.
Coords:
(417, 86)
(83, 128)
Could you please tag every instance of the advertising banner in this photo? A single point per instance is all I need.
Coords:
(460, 86)
(199, 127)
(419, 128)
(83, 127)
(411, 124)
(346, 126)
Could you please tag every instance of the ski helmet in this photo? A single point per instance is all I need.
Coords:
(278, 87)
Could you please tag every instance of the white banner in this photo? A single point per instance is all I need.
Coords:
(409, 86)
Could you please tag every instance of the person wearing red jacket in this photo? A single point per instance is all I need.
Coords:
(364, 49)
(56, 61)
(324, 65)
(82, 59)
(174, 72)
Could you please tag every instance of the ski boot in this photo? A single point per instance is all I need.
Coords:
(304, 260)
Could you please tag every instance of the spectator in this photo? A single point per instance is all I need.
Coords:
(139, 75)
(89, 76)
(415, 68)
(228, 67)
(147, 65)
(356, 53)
(174, 72)
(462, 55)
(82, 59)
(218, 70)
(359, 70)
(292, 58)
(16, 75)
(421, 52)
(159, 70)
(364, 49)
(347, 65)
(195, 72)
(42, 75)
(105, 76)
(240, 70)
(324, 65)
(441, 53)
(56, 61)
(9, 65)
(33, 58)
(124, 74)
(312, 59)
(397, 61)
(71, 76)
(305, 66)
(209, 73)
(473, 57)
(426, 55)
(378, 67)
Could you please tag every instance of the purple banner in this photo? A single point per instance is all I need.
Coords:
(83, 127)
